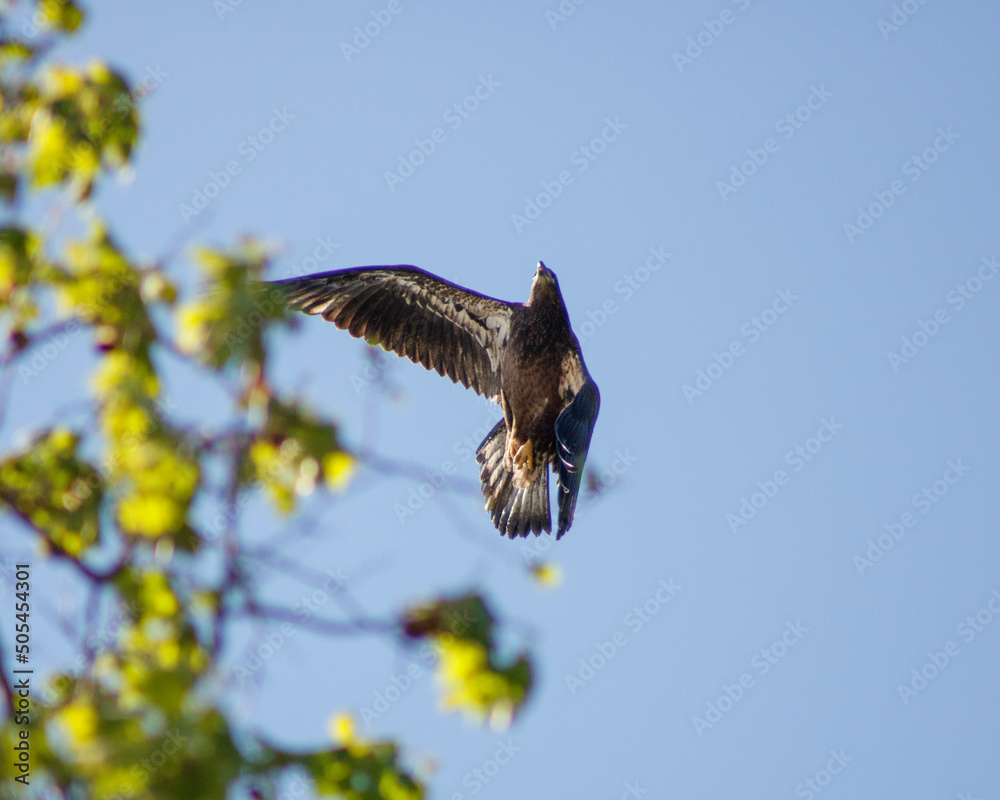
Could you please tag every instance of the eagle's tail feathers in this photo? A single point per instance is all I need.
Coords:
(515, 512)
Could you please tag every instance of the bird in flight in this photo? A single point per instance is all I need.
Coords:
(523, 356)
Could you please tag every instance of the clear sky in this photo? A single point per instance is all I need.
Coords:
(775, 228)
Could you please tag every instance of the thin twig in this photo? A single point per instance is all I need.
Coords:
(57, 551)
(355, 627)
(410, 469)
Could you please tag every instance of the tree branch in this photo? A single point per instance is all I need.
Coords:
(355, 627)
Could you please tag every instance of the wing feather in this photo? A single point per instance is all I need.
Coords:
(442, 326)
(461, 351)
(377, 329)
(448, 351)
(573, 429)
(438, 338)
(362, 313)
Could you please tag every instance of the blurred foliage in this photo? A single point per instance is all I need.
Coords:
(54, 491)
(225, 326)
(20, 265)
(291, 450)
(119, 499)
(476, 677)
(60, 125)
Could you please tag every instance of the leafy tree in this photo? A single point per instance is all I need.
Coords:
(124, 500)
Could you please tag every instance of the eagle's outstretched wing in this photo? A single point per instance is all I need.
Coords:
(444, 327)
(574, 427)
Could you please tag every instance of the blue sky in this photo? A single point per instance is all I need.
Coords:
(789, 209)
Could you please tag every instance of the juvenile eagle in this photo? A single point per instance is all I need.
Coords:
(523, 356)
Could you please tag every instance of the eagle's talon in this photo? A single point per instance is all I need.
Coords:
(524, 458)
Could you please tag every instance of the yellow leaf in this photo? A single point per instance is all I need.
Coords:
(548, 574)
(149, 515)
(338, 469)
(168, 654)
(62, 81)
(158, 597)
(78, 722)
(342, 728)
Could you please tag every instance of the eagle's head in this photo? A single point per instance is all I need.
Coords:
(544, 287)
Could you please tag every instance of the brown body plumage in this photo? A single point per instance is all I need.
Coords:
(531, 396)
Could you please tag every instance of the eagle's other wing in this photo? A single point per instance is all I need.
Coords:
(444, 327)
(574, 427)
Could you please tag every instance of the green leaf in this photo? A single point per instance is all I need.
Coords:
(83, 122)
(225, 326)
(55, 491)
(63, 15)
(475, 676)
(21, 265)
(293, 452)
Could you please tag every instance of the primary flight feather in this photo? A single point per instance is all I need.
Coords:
(523, 356)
